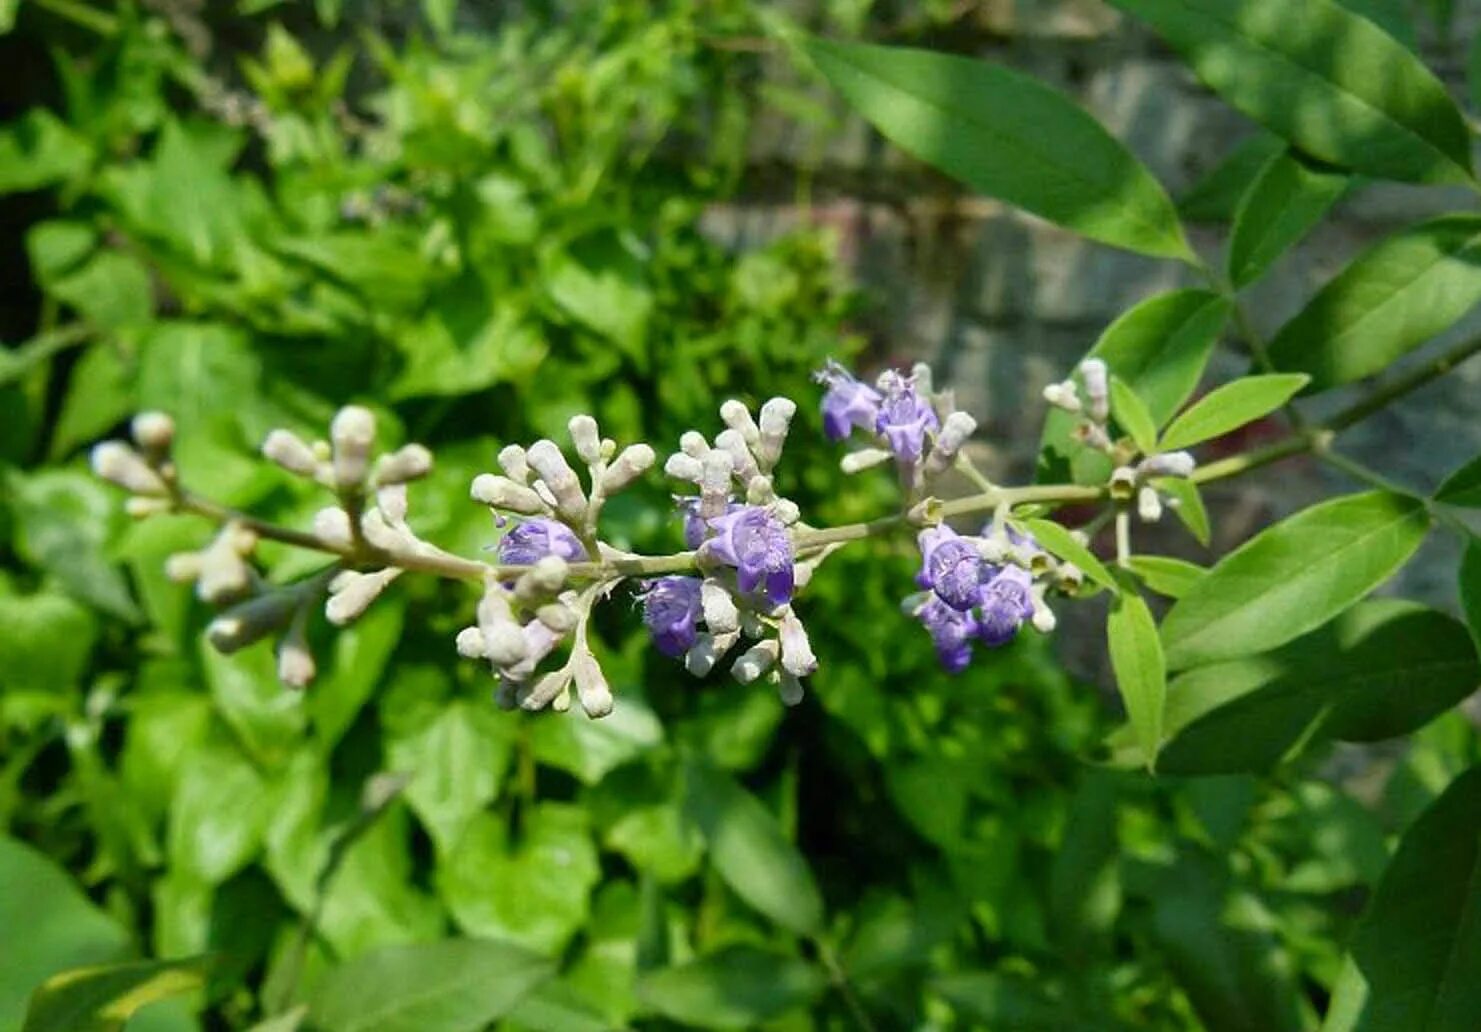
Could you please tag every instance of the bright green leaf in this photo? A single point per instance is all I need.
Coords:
(1132, 416)
(749, 851)
(1169, 577)
(457, 985)
(1305, 71)
(1141, 674)
(739, 987)
(102, 999)
(1293, 577)
(1286, 201)
(1010, 137)
(39, 149)
(1463, 487)
(1055, 539)
(46, 642)
(1395, 296)
(1230, 407)
(456, 763)
(218, 815)
(1216, 195)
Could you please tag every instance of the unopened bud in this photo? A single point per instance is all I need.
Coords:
(864, 458)
(1148, 505)
(332, 526)
(392, 503)
(514, 464)
(741, 459)
(921, 373)
(545, 578)
(1063, 396)
(1097, 388)
(384, 534)
(1043, 617)
(351, 593)
(684, 467)
(693, 444)
(551, 466)
(352, 433)
(720, 612)
(755, 661)
(140, 506)
(119, 464)
(760, 490)
(786, 511)
(154, 432)
(296, 666)
(714, 484)
(505, 493)
(410, 462)
(954, 433)
(587, 438)
(776, 417)
(251, 621)
(631, 463)
(789, 689)
(591, 686)
(546, 690)
(290, 452)
(797, 654)
(470, 643)
(738, 418)
(558, 616)
(707, 650)
(1169, 464)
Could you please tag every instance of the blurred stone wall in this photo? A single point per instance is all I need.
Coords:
(1002, 303)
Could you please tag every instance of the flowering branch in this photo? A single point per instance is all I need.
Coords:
(748, 551)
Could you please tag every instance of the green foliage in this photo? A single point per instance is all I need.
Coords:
(1141, 671)
(1285, 202)
(1230, 407)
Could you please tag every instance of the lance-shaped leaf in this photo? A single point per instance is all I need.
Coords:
(1216, 195)
(1160, 348)
(1141, 673)
(1401, 292)
(1284, 203)
(1133, 416)
(750, 852)
(739, 987)
(1293, 577)
(102, 999)
(1189, 510)
(1308, 71)
(1382, 669)
(1169, 577)
(1414, 958)
(1230, 407)
(1010, 137)
(1058, 541)
(1463, 487)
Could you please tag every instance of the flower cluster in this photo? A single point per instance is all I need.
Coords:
(739, 528)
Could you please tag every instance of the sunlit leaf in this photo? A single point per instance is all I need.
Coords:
(740, 987)
(1169, 577)
(102, 999)
(1288, 199)
(1141, 673)
(1132, 415)
(1230, 407)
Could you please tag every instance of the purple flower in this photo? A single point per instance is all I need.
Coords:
(696, 527)
(671, 608)
(848, 403)
(951, 632)
(951, 567)
(756, 543)
(533, 540)
(1005, 603)
(904, 417)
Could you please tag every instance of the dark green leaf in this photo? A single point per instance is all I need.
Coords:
(1415, 953)
(739, 987)
(1004, 1001)
(1141, 674)
(1058, 541)
(1215, 197)
(749, 851)
(1010, 137)
(102, 999)
(1285, 203)
(457, 985)
(1084, 876)
(1305, 71)
(1293, 577)
(1230, 407)
(1463, 487)
(1169, 577)
(1189, 508)
(1383, 668)
(1401, 292)
(1470, 588)
(1132, 415)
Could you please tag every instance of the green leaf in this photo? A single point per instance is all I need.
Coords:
(1463, 487)
(1230, 407)
(1470, 588)
(1216, 195)
(102, 999)
(1008, 136)
(1084, 876)
(100, 395)
(39, 149)
(1169, 577)
(1189, 508)
(1054, 538)
(1293, 577)
(46, 643)
(739, 987)
(1305, 71)
(1416, 950)
(1132, 416)
(63, 929)
(590, 749)
(1382, 669)
(1005, 1001)
(1141, 674)
(457, 985)
(749, 851)
(1160, 348)
(111, 291)
(1399, 293)
(1286, 201)
(1473, 71)
(218, 815)
(456, 763)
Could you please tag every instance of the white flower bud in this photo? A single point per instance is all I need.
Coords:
(558, 616)
(865, 458)
(545, 578)
(633, 462)
(470, 643)
(591, 686)
(551, 466)
(755, 661)
(352, 432)
(1168, 464)
(923, 377)
(514, 464)
(587, 438)
(545, 691)
(707, 650)
(786, 510)
(384, 534)
(505, 645)
(332, 526)
(119, 464)
(153, 431)
(251, 621)
(351, 593)
(738, 418)
(1063, 396)
(720, 612)
(1097, 388)
(287, 450)
(296, 666)
(789, 689)
(183, 567)
(410, 462)
(760, 490)
(776, 417)
(797, 654)
(392, 503)
(714, 484)
(693, 444)
(741, 459)
(139, 507)
(504, 493)
(684, 467)
(1043, 617)
(223, 575)
(1148, 505)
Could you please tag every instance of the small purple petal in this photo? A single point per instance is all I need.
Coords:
(951, 566)
(671, 609)
(756, 543)
(848, 404)
(533, 540)
(1006, 603)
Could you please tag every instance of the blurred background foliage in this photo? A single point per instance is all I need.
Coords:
(248, 214)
